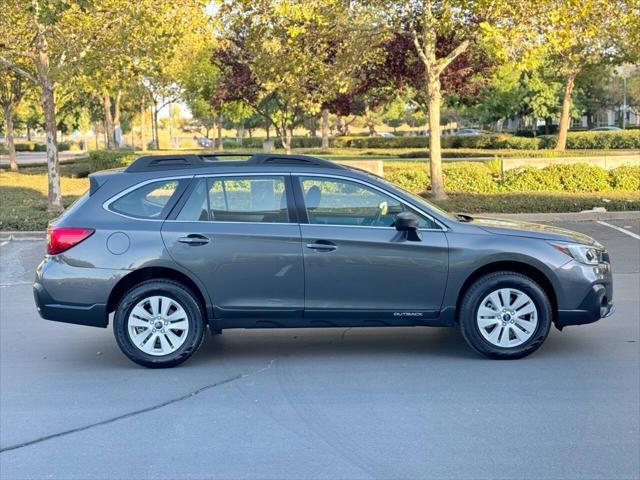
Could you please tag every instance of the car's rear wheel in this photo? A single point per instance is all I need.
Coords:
(505, 315)
(159, 323)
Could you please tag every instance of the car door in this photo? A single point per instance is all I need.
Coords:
(236, 233)
(357, 264)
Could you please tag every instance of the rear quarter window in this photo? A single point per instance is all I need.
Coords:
(150, 201)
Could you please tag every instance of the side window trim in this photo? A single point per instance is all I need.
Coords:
(207, 177)
(183, 183)
(297, 177)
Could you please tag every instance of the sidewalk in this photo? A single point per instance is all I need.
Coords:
(40, 158)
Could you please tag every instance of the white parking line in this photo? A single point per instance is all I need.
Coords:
(4, 243)
(620, 229)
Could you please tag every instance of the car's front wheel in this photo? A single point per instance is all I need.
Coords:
(158, 324)
(505, 315)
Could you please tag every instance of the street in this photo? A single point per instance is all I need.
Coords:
(321, 403)
(39, 158)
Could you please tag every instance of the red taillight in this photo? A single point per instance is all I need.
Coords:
(60, 239)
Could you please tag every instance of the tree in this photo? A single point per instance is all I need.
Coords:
(149, 40)
(395, 113)
(43, 41)
(12, 89)
(579, 33)
(294, 55)
(443, 33)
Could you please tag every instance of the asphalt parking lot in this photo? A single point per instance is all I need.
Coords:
(316, 404)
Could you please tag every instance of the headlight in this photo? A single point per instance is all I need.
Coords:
(589, 255)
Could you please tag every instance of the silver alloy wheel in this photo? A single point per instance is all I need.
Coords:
(507, 317)
(158, 325)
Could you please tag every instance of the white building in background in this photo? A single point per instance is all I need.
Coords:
(607, 118)
(604, 118)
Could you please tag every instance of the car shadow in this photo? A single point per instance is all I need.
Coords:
(331, 342)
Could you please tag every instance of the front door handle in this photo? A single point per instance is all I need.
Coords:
(194, 239)
(322, 246)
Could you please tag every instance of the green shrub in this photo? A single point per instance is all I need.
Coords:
(625, 178)
(479, 177)
(576, 177)
(581, 177)
(529, 179)
(412, 176)
(515, 143)
(472, 177)
(596, 140)
(381, 142)
(25, 146)
(106, 159)
(467, 141)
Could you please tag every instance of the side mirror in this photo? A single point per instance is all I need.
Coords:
(408, 222)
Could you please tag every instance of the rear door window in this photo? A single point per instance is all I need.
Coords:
(150, 201)
(261, 199)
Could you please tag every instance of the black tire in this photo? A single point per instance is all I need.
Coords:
(483, 287)
(175, 291)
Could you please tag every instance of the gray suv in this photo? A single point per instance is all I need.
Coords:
(174, 244)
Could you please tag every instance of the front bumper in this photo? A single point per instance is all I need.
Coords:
(596, 304)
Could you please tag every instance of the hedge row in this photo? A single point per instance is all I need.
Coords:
(628, 139)
(107, 159)
(477, 177)
(41, 147)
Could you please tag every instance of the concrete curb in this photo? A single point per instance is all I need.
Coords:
(568, 217)
(528, 217)
(14, 236)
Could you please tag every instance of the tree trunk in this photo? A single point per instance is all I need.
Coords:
(116, 119)
(325, 128)
(143, 140)
(285, 137)
(41, 62)
(589, 120)
(96, 133)
(8, 122)
(267, 126)
(155, 127)
(28, 133)
(368, 119)
(435, 153)
(565, 116)
(108, 121)
(240, 134)
(53, 162)
(219, 144)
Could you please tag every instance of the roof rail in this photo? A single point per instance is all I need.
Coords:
(148, 163)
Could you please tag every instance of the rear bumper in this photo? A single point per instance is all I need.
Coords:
(597, 304)
(74, 294)
(94, 315)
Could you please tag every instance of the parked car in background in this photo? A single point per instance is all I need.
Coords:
(384, 134)
(605, 129)
(174, 244)
(468, 131)
(205, 142)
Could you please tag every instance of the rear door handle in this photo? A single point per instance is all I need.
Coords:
(322, 246)
(194, 239)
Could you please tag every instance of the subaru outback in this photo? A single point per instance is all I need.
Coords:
(175, 245)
